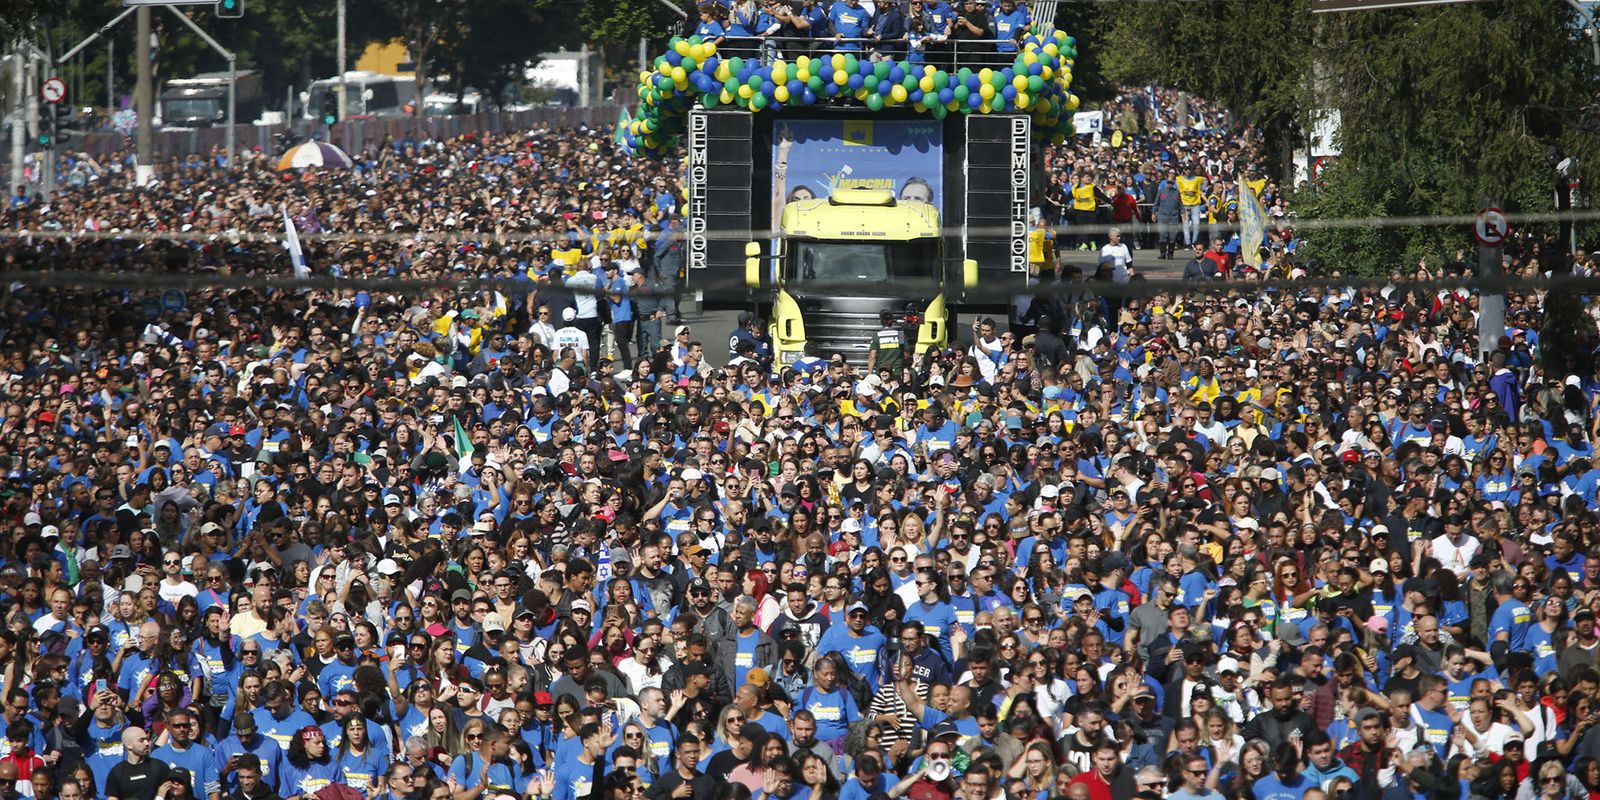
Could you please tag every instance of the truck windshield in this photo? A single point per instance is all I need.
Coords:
(191, 108)
(812, 260)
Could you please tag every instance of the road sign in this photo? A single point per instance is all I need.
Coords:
(1371, 5)
(54, 90)
(1491, 228)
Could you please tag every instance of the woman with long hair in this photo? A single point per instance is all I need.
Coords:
(1036, 768)
(442, 735)
(308, 766)
(360, 767)
(753, 774)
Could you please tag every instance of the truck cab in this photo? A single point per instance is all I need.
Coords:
(839, 261)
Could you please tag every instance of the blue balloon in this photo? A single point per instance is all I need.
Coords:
(767, 87)
(897, 74)
(673, 58)
(830, 88)
(855, 82)
(826, 72)
(1035, 68)
(710, 65)
(974, 100)
(973, 82)
(808, 97)
(795, 86)
(885, 87)
(946, 95)
(915, 96)
(864, 67)
(1008, 92)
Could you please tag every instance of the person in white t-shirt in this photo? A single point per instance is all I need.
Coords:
(1121, 257)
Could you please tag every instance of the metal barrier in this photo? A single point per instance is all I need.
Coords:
(948, 55)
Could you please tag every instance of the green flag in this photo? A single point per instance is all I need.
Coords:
(623, 118)
(463, 443)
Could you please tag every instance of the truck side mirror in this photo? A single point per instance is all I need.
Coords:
(752, 264)
(969, 273)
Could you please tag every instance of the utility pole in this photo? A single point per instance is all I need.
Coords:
(343, 104)
(111, 78)
(143, 100)
(30, 99)
(19, 133)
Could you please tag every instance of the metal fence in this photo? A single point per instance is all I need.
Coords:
(351, 135)
(948, 55)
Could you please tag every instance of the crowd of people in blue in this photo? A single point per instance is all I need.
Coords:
(546, 541)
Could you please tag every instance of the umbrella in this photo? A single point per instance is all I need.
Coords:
(314, 154)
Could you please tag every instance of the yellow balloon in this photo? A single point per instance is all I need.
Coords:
(1050, 49)
(1019, 83)
(725, 97)
(780, 72)
(781, 94)
(926, 84)
(986, 91)
(723, 73)
(802, 75)
(1072, 102)
(1024, 100)
(1029, 57)
(985, 108)
(746, 91)
(679, 75)
(861, 94)
(682, 48)
(803, 62)
(838, 61)
(1046, 72)
(898, 93)
(839, 77)
(664, 68)
(985, 75)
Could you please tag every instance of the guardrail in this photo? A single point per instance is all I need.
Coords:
(948, 55)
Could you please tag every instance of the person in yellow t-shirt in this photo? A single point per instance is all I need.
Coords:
(1192, 193)
(1041, 247)
(1083, 210)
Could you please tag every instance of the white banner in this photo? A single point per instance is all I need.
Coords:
(1088, 122)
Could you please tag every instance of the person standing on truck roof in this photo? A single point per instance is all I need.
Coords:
(972, 25)
(850, 24)
(888, 346)
(1010, 25)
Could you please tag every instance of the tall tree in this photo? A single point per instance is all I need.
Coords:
(1442, 108)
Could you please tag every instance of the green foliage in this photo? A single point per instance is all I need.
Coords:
(624, 22)
(1252, 55)
(1443, 108)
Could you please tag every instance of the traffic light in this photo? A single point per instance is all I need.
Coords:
(330, 107)
(230, 9)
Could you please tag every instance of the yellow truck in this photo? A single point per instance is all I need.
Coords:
(839, 262)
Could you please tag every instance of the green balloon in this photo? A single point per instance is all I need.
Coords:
(851, 65)
(871, 82)
(815, 83)
(758, 102)
(875, 102)
(735, 65)
(1035, 84)
(710, 99)
(962, 91)
(910, 82)
(732, 85)
(881, 69)
(964, 73)
(754, 82)
(999, 79)
(695, 39)
(940, 111)
(941, 79)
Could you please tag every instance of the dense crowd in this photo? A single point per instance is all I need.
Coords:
(542, 542)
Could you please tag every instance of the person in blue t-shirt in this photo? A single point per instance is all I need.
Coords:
(1010, 25)
(1285, 782)
(833, 707)
(1508, 626)
(850, 23)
